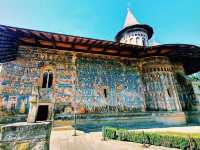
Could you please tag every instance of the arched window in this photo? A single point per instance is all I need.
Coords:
(143, 42)
(169, 92)
(137, 40)
(131, 40)
(105, 93)
(47, 80)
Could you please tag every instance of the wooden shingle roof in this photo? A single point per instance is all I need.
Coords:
(11, 37)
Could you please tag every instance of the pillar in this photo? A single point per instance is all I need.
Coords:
(159, 84)
(33, 109)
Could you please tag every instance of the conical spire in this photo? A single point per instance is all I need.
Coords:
(130, 19)
(132, 25)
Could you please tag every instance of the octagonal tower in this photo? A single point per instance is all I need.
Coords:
(156, 72)
(134, 32)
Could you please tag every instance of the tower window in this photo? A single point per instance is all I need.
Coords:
(47, 80)
(131, 40)
(143, 42)
(137, 40)
(169, 93)
(105, 93)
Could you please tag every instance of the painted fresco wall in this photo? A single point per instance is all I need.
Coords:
(188, 88)
(108, 84)
(15, 90)
(160, 84)
(195, 81)
(195, 103)
(86, 83)
(183, 86)
(83, 81)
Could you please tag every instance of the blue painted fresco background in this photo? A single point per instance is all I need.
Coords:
(122, 83)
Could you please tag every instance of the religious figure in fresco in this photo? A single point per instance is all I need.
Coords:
(5, 102)
(9, 106)
(13, 104)
(1, 103)
(23, 107)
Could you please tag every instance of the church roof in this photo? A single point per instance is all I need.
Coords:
(12, 37)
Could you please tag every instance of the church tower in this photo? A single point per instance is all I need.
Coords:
(134, 32)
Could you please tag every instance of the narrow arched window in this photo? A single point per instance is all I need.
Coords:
(169, 93)
(137, 40)
(143, 42)
(105, 93)
(131, 40)
(47, 80)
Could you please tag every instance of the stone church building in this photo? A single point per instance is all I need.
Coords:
(47, 75)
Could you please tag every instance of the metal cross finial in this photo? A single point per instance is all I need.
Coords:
(129, 5)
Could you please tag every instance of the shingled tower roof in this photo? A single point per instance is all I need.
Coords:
(132, 23)
(130, 19)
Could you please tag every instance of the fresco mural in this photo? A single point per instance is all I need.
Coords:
(87, 84)
(16, 87)
(160, 85)
(108, 85)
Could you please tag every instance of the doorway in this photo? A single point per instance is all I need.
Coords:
(42, 114)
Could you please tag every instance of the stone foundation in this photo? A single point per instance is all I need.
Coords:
(25, 136)
(193, 116)
(138, 120)
(173, 118)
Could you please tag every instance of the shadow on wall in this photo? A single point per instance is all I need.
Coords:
(186, 95)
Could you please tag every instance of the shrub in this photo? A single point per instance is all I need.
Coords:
(122, 134)
(171, 140)
(109, 133)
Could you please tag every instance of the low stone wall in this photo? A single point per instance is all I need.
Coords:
(171, 118)
(12, 119)
(95, 122)
(25, 136)
(193, 116)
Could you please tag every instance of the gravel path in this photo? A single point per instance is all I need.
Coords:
(63, 140)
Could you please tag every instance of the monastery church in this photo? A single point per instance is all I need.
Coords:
(46, 76)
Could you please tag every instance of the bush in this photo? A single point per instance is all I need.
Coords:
(122, 134)
(109, 133)
(158, 139)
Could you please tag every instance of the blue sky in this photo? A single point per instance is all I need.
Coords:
(174, 21)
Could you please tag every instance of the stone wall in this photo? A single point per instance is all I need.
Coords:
(25, 136)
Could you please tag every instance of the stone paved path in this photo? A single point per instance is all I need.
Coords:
(63, 140)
